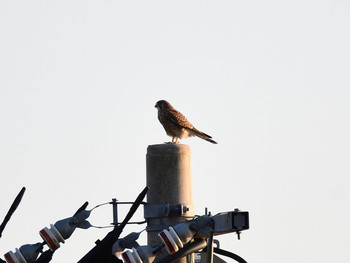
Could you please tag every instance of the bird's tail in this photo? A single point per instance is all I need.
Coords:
(203, 135)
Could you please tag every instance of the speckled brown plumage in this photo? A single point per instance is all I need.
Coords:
(176, 125)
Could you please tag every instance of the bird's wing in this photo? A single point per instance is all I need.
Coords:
(199, 132)
(203, 135)
(177, 117)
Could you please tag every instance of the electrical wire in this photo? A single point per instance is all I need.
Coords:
(229, 254)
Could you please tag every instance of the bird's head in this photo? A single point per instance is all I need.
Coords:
(162, 105)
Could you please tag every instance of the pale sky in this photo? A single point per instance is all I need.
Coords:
(269, 80)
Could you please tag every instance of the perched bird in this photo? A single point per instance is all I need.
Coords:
(176, 125)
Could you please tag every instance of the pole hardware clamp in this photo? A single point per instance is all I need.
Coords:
(165, 210)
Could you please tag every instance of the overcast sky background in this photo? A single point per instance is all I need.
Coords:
(269, 80)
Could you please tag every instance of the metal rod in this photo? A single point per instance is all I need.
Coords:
(115, 211)
(12, 209)
(210, 248)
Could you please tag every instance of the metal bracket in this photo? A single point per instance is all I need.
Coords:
(165, 210)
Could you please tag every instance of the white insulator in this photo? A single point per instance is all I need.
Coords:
(52, 237)
(16, 257)
(175, 237)
(168, 241)
(131, 257)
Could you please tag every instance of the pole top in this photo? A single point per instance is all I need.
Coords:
(168, 148)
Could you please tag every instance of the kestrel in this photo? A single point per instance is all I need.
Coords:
(176, 125)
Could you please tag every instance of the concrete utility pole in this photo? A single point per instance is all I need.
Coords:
(169, 199)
